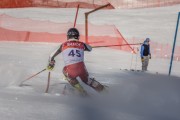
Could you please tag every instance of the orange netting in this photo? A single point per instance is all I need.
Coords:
(142, 3)
(158, 50)
(18, 29)
(53, 3)
(87, 3)
(27, 30)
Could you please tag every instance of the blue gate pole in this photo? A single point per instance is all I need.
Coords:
(174, 44)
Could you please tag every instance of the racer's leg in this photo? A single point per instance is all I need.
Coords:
(74, 82)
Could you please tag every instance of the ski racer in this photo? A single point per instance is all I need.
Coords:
(73, 55)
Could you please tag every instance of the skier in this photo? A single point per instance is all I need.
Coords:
(73, 56)
(145, 54)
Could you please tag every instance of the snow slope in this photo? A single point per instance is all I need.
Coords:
(151, 95)
(132, 95)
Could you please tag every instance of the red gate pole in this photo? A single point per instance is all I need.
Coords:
(76, 16)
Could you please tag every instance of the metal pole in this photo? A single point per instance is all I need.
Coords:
(76, 16)
(174, 44)
(86, 28)
(32, 76)
(48, 83)
(86, 20)
(116, 45)
(125, 40)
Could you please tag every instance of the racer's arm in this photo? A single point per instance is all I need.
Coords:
(51, 59)
(87, 47)
(55, 53)
(142, 50)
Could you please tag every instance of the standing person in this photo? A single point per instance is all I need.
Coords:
(73, 55)
(145, 54)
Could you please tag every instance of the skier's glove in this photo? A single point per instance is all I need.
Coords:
(51, 65)
(142, 59)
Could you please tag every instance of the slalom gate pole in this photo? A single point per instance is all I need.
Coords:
(47, 88)
(174, 44)
(76, 16)
(116, 45)
(32, 76)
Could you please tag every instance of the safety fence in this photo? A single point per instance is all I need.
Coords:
(87, 3)
(27, 30)
(158, 50)
(127, 4)
(52, 3)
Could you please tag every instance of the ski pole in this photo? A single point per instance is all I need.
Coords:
(47, 88)
(32, 76)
